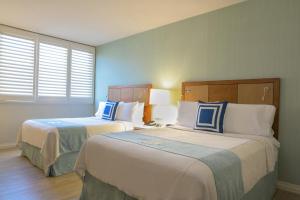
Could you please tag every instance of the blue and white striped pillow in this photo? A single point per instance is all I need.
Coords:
(110, 109)
(210, 116)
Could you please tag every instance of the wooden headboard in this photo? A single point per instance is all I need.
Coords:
(252, 91)
(130, 93)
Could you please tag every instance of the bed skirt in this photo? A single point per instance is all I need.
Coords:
(98, 190)
(64, 164)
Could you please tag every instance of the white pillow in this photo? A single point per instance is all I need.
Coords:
(249, 119)
(100, 109)
(187, 113)
(138, 115)
(125, 111)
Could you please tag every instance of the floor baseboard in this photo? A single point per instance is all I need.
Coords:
(8, 146)
(289, 187)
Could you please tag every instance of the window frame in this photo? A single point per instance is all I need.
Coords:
(37, 39)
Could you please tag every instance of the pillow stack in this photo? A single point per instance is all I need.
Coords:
(123, 111)
(226, 117)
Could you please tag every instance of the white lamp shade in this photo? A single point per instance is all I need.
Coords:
(159, 97)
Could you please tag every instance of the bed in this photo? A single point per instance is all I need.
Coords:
(179, 162)
(53, 144)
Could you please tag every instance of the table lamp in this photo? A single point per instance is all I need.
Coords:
(159, 97)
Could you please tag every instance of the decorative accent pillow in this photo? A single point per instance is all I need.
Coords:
(109, 112)
(211, 116)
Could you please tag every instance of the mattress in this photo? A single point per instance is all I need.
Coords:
(171, 163)
(45, 134)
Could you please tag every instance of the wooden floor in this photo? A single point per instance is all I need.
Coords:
(19, 180)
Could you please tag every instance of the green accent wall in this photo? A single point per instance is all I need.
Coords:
(253, 39)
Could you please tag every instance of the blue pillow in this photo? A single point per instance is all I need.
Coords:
(210, 116)
(110, 109)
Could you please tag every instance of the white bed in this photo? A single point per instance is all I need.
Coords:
(145, 172)
(46, 137)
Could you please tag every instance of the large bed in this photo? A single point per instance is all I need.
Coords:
(179, 162)
(173, 163)
(53, 144)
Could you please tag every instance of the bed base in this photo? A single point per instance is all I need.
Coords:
(96, 189)
(63, 165)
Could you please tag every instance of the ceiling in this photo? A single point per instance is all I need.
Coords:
(95, 22)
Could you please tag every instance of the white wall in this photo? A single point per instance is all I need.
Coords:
(13, 114)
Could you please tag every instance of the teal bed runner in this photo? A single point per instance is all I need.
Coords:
(71, 135)
(225, 165)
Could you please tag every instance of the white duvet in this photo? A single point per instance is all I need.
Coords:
(149, 173)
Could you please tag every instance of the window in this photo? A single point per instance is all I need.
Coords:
(39, 68)
(16, 68)
(53, 66)
(82, 74)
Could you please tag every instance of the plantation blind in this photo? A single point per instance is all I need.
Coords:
(82, 75)
(16, 68)
(53, 68)
(40, 68)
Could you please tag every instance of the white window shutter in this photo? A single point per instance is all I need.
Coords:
(82, 75)
(16, 68)
(52, 71)
(40, 68)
